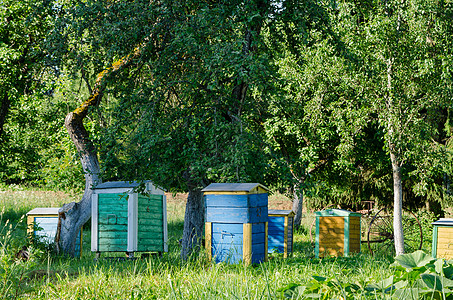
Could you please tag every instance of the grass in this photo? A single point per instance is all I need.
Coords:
(46, 276)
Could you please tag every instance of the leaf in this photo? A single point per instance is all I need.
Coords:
(414, 260)
(381, 285)
(292, 290)
(432, 281)
(290, 286)
(438, 266)
(312, 296)
(448, 271)
(319, 278)
(407, 294)
(351, 288)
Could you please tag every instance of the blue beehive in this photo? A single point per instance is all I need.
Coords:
(236, 222)
(280, 231)
(43, 222)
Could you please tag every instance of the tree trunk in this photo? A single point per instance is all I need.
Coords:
(397, 205)
(4, 108)
(298, 200)
(72, 216)
(193, 222)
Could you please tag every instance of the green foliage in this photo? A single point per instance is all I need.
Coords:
(38, 150)
(33, 147)
(13, 269)
(321, 288)
(415, 276)
(418, 276)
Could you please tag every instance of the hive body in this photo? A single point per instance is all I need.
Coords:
(43, 223)
(125, 220)
(280, 231)
(443, 238)
(337, 233)
(236, 222)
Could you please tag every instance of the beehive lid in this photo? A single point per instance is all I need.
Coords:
(281, 213)
(122, 186)
(444, 222)
(118, 185)
(44, 211)
(333, 212)
(235, 188)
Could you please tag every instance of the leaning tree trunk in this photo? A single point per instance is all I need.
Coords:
(397, 205)
(72, 216)
(298, 200)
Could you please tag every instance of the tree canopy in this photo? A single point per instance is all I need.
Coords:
(339, 101)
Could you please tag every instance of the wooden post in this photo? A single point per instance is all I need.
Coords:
(247, 244)
(208, 239)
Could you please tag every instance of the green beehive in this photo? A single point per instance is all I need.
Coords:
(123, 220)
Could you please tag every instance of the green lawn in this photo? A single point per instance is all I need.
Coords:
(47, 276)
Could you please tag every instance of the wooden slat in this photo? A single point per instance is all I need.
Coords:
(113, 235)
(208, 239)
(112, 248)
(247, 244)
(148, 216)
(150, 242)
(118, 227)
(237, 215)
(339, 221)
(112, 242)
(330, 252)
(446, 254)
(443, 232)
(153, 236)
(266, 236)
(150, 229)
(445, 245)
(244, 201)
(164, 222)
(111, 220)
(444, 240)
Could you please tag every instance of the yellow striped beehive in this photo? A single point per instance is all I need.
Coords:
(337, 233)
(443, 238)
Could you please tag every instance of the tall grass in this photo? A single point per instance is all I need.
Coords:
(46, 276)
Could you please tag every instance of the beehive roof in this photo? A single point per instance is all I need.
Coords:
(233, 187)
(44, 211)
(118, 184)
(126, 186)
(281, 212)
(444, 221)
(336, 212)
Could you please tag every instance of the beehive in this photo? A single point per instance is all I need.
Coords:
(123, 220)
(43, 222)
(236, 222)
(337, 233)
(280, 231)
(443, 238)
